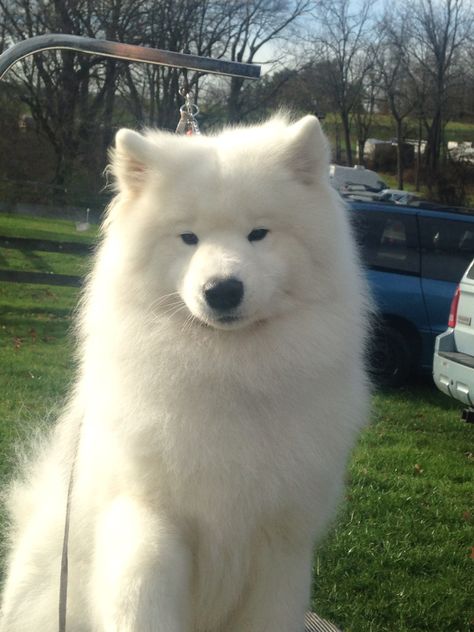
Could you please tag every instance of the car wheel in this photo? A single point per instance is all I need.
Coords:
(390, 357)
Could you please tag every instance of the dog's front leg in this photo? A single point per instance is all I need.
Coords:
(279, 592)
(141, 575)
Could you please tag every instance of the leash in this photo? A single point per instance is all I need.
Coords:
(63, 580)
(188, 126)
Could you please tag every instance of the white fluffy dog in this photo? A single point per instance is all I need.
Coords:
(220, 390)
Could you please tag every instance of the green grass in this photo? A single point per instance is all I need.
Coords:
(35, 322)
(41, 228)
(455, 130)
(28, 260)
(37, 261)
(383, 127)
(398, 559)
(36, 358)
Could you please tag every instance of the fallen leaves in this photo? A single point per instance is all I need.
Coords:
(19, 341)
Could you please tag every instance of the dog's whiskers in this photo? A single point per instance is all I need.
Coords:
(171, 309)
(164, 317)
(188, 323)
(163, 299)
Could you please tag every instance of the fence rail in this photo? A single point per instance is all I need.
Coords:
(43, 245)
(46, 245)
(42, 278)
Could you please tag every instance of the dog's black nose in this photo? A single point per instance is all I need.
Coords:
(223, 294)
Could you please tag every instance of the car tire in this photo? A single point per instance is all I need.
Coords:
(390, 357)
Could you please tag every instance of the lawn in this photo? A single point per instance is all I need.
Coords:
(383, 127)
(399, 558)
(27, 259)
(41, 228)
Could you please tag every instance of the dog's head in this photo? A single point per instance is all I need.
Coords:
(232, 229)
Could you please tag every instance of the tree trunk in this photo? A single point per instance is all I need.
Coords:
(400, 165)
(434, 144)
(418, 157)
(360, 151)
(109, 104)
(234, 102)
(338, 144)
(347, 138)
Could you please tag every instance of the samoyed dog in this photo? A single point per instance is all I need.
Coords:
(221, 386)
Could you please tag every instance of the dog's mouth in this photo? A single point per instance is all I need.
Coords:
(222, 321)
(232, 322)
(225, 321)
(201, 315)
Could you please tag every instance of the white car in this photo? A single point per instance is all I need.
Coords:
(397, 195)
(343, 179)
(453, 361)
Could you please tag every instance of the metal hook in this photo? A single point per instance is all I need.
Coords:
(188, 124)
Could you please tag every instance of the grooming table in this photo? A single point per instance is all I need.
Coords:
(313, 623)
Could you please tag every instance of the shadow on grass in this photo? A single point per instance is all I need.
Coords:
(35, 259)
(421, 386)
(19, 315)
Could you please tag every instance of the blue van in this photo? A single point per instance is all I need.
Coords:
(415, 256)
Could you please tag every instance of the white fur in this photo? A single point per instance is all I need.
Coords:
(212, 454)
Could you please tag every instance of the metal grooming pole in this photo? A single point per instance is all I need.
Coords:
(127, 52)
(132, 53)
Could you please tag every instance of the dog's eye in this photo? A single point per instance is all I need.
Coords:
(257, 234)
(190, 239)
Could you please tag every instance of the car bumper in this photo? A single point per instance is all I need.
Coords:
(453, 372)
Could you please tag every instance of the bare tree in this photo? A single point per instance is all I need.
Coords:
(201, 27)
(259, 25)
(342, 42)
(439, 29)
(73, 97)
(365, 109)
(3, 36)
(66, 92)
(396, 79)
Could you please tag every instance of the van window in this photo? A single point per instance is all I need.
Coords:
(470, 272)
(447, 248)
(388, 241)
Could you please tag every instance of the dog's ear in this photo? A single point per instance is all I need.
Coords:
(130, 160)
(307, 151)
